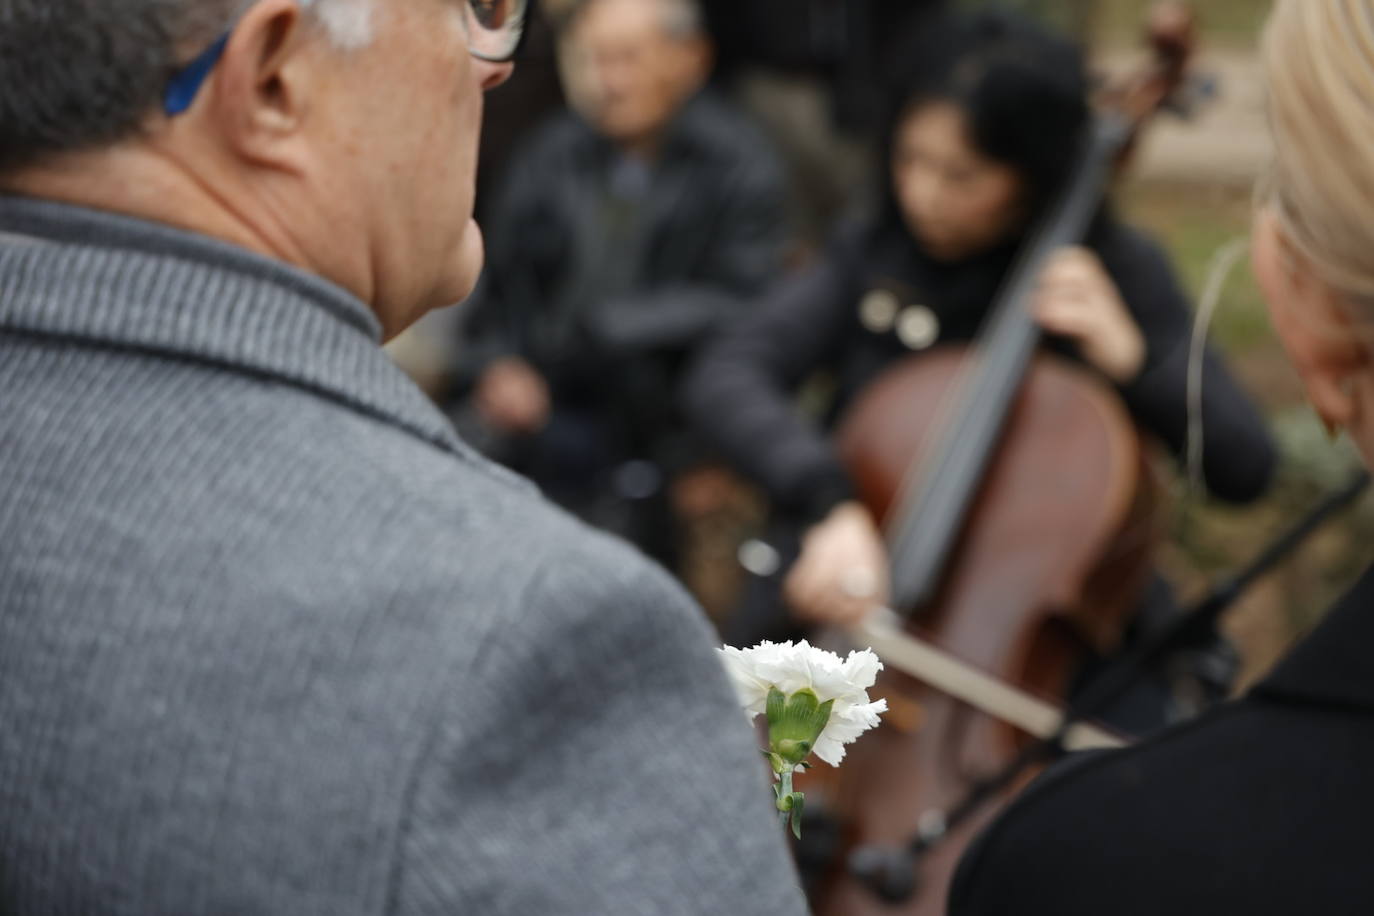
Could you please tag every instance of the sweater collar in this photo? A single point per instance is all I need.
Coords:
(115, 281)
(1334, 664)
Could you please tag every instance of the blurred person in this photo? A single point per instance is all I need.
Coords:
(985, 126)
(272, 638)
(628, 228)
(1262, 806)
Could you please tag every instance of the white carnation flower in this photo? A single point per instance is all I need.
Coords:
(792, 667)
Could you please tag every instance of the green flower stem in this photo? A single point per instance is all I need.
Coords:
(789, 803)
(784, 791)
(795, 724)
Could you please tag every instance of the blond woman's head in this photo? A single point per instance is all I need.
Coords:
(1314, 238)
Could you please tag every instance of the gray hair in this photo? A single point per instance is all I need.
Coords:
(680, 18)
(348, 22)
(79, 74)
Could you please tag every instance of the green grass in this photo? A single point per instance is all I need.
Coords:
(1195, 223)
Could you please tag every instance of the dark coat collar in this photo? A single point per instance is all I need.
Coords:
(1334, 664)
(115, 281)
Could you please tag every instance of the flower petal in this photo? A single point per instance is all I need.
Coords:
(861, 668)
(751, 690)
(795, 666)
(845, 727)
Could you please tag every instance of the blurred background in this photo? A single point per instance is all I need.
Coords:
(1190, 184)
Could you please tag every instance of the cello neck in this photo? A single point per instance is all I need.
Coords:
(940, 489)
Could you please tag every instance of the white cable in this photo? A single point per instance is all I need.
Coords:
(1223, 262)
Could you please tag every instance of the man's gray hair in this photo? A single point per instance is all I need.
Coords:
(348, 22)
(680, 18)
(78, 74)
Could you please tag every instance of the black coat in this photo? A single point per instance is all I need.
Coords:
(741, 389)
(1262, 807)
(598, 274)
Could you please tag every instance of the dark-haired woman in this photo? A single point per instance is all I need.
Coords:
(984, 132)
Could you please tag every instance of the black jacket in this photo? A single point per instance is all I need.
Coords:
(598, 273)
(1262, 807)
(740, 391)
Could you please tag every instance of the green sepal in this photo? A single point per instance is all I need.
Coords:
(777, 703)
(796, 801)
(795, 723)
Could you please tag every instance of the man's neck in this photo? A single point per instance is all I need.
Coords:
(137, 181)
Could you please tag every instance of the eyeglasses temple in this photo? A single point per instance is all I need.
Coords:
(182, 88)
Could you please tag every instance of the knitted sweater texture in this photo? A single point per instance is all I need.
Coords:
(274, 640)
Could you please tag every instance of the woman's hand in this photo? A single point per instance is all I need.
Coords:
(842, 572)
(1078, 300)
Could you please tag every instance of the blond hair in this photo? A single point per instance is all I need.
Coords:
(1319, 69)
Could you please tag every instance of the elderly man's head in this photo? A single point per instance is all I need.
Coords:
(338, 135)
(628, 65)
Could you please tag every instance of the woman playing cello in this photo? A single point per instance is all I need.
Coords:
(983, 133)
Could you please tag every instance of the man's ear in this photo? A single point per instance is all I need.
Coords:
(261, 89)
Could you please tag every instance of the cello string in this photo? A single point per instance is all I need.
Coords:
(953, 404)
(1224, 261)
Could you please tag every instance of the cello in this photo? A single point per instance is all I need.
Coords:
(1016, 498)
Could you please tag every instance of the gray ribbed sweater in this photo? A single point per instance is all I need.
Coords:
(272, 640)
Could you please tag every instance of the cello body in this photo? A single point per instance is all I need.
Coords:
(1043, 576)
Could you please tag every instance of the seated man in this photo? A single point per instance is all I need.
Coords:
(627, 229)
(273, 639)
